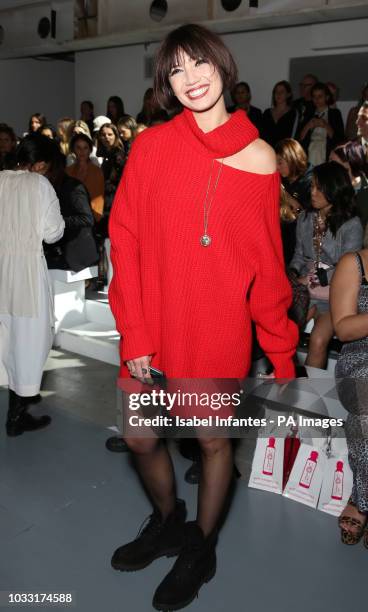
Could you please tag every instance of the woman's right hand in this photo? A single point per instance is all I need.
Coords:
(139, 368)
(308, 126)
(304, 280)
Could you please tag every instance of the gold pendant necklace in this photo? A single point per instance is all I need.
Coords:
(206, 240)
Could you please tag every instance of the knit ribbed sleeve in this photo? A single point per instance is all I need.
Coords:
(271, 295)
(125, 292)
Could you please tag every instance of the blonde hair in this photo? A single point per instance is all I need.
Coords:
(63, 132)
(80, 127)
(294, 155)
(286, 212)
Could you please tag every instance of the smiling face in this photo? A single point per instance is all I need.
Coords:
(196, 83)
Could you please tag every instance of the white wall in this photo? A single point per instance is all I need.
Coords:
(56, 88)
(112, 72)
(32, 86)
(262, 58)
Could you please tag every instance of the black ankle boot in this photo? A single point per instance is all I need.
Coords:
(19, 420)
(195, 565)
(157, 539)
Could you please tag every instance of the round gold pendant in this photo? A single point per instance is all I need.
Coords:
(205, 240)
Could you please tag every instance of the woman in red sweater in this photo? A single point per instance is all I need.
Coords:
(197, 255)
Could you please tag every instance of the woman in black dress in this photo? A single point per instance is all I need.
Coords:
(279, 121)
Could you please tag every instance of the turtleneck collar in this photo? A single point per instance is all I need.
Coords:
(226, 140)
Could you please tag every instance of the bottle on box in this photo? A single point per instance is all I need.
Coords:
(338, 481)
(269, 458)
(308, 471)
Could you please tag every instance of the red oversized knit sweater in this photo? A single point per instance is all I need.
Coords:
(191, 306)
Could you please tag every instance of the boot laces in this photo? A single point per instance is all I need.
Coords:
(151, 525)
(186, 559)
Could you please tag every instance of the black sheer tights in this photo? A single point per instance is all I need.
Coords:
(155, 468)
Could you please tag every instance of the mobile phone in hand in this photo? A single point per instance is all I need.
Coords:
(155, 373)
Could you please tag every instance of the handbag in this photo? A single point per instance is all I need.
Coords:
(318, 286)
(299, 309)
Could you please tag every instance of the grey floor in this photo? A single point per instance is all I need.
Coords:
(66, 503)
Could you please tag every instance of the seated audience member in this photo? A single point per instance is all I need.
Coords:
(279, 121)
(296, 177)
(241, 97)
(324, 129)
(295, 171)
(127, 128)
(98, 122)
(349, 311)
(351, 129)
(150, 109)
(112, 150)
(29, 214)
(80, 127)
(63, 134)
(8, 144)
(36, 121)
(362, 125)
(351, 155)
(88, 173)
(77, 248)
(48, 130)
(325, 232)
(87, 113)
(115, 109)
(304, 105)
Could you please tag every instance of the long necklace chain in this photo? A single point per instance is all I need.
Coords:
(206, 240)
(319, 232)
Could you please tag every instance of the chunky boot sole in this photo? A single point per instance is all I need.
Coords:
(183, 604)
(172, 552)
(14, 430)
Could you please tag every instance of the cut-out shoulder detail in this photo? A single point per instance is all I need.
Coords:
(257, 158)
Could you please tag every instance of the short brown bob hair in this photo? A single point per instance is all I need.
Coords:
(197, 42)
(294, 155)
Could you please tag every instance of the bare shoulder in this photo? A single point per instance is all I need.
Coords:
(257, 157)
(347, 268)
